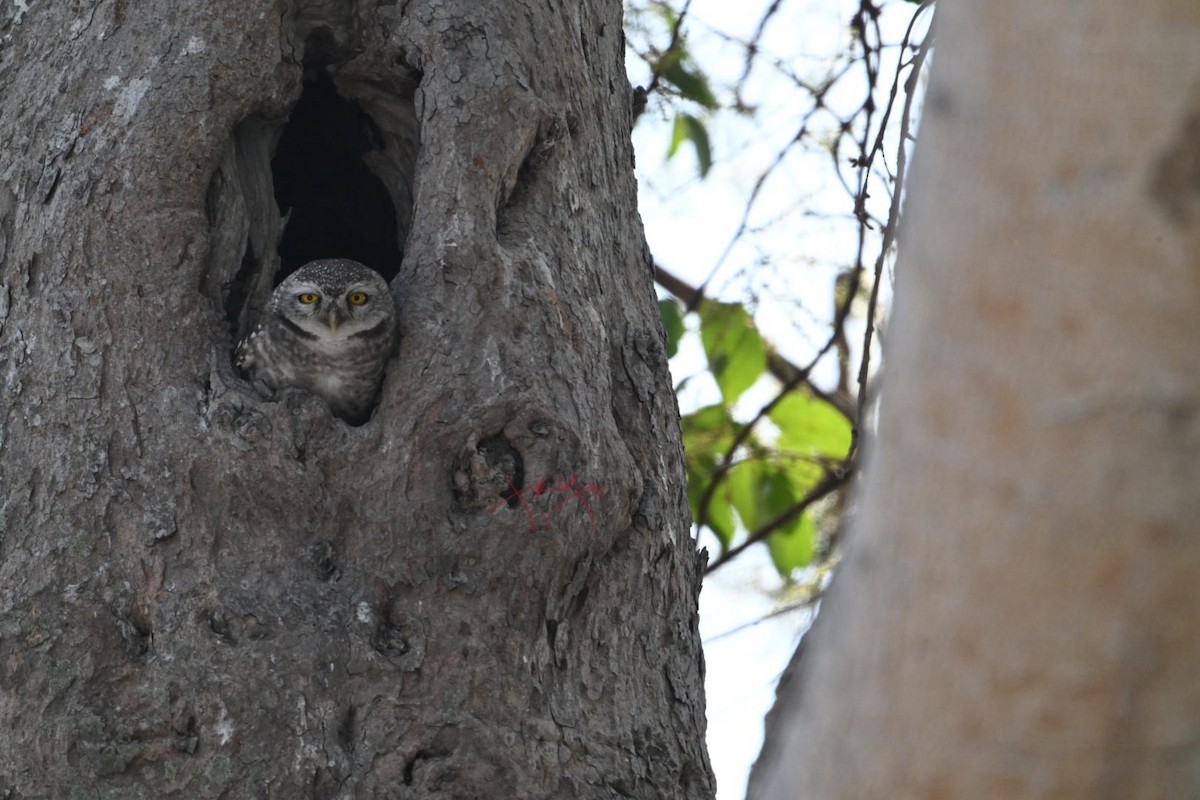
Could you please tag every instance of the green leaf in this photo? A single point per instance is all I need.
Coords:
(688, 128)
(762, 492)
(692, 84)
(804, 473)
(709, 430)
(776, 494)
(809, 426)
(679, 135)
(744, 483)
(719, 515)
(673, 323)
(661, 62)
(698, 135)
(708, 433)
(793, 546)
(735, 350)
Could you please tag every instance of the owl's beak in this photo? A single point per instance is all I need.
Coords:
(334, 320)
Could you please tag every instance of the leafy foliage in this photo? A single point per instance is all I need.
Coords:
(677, 77)
(818, 161)
(708, 434)
(690, 83)
(673, 322)
(743, 477)
(811, 427)
(735, 350)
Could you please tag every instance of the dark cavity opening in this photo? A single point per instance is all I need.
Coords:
(340, 165)
(335, 206)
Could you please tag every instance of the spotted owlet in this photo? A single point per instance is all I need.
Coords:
(329, 329)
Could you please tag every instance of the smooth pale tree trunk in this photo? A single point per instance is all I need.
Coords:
(208, 593)
(1018, 612)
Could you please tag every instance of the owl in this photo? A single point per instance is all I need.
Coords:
(329, 329)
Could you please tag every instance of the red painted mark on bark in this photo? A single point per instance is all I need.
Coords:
(568, 487)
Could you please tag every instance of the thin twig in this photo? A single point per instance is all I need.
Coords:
(894, 211)
(807, 603)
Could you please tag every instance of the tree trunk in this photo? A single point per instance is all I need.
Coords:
(1018, 613)
(208, 593)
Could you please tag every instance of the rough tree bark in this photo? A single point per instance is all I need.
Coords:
(205, 593)
(1018, 614)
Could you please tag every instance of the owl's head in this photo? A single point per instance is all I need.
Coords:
(334, 298)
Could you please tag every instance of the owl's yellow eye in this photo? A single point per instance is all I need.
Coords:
(357, 298)
(308, 298)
